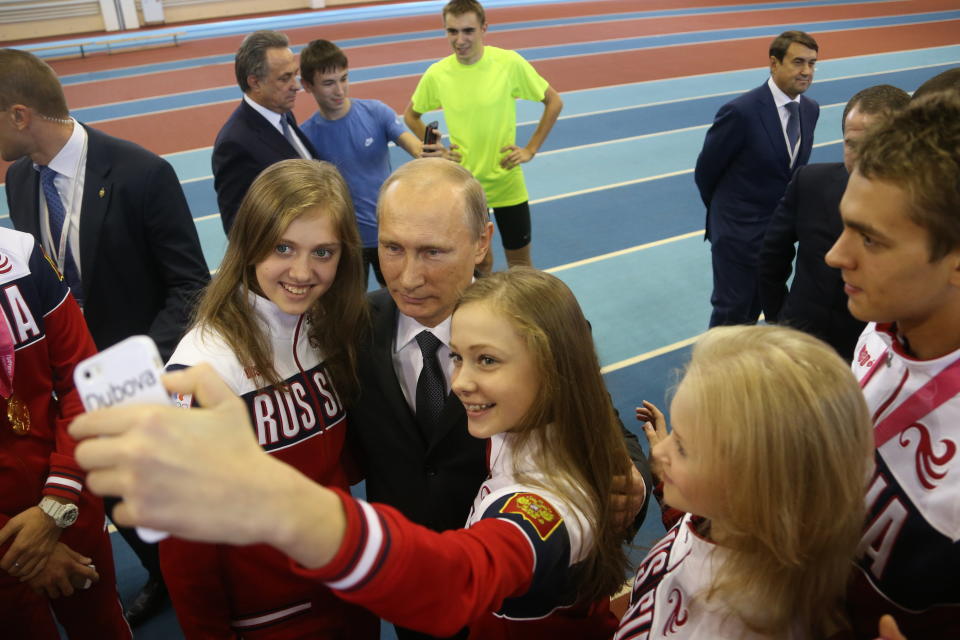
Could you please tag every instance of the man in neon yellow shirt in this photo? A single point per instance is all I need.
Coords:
(477, 88)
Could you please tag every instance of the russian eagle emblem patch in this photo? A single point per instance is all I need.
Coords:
(535, 510)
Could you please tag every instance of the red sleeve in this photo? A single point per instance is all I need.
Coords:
(192, 573)
(436, 583)
(68, 342)
(668, 515)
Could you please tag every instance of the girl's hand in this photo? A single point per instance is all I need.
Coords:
(655, 425)
(889, 630)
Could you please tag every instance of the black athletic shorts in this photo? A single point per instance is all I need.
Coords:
(514, 225)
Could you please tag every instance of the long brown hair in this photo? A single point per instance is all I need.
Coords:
(583, 449)
(280, 194)
(785, 431)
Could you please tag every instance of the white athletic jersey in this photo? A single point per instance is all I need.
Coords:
(909, 551)
(283, 420)
(558, 543)
(502, 482)
(667, 601)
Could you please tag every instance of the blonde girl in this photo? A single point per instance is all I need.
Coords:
(768, 457)
(280, 323)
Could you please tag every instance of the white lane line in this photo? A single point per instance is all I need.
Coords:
(623, 252)
(431, 34)
(614, 185)
(649, 354)
(622, 364)
(704, 96)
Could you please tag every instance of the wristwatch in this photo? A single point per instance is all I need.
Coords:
(63, 515)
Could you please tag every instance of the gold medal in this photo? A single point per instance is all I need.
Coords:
(18, 415)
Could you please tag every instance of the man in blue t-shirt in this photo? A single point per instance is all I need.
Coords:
(353, 135)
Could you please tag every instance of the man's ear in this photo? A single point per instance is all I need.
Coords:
(253, 82)
(954, 258)
(483, 244)
(21, 115)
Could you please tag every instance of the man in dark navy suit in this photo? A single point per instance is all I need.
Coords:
(262, 129)
(113, 217)
(809, 215)
(751, 151)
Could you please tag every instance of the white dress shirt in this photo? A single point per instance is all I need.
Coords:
(70, 163)
(408, 361)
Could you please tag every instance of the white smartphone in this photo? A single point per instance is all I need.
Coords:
(126, 373)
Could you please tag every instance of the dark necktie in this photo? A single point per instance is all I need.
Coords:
(793, 125)
(431, 386)
(290, 135)
(57, 216)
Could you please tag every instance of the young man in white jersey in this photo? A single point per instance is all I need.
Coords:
(477, 88)
(899, 255)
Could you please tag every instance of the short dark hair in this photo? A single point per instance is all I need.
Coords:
(26, 79)
(780, 44)
(321, 56)
(460, 7)
(251, 59)
(948, 80)
(917, 149)
(881, 99)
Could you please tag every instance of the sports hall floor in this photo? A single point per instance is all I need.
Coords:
(615, 210)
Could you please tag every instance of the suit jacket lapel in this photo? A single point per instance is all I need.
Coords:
(267, 133)
(384, 332)
(97, 193)
(770, 119)
(304, 140)
(806, 128)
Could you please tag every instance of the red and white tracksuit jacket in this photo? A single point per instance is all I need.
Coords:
(223, 591)
(909, 557)
(50, 338)
(509, 574)
(667, 596)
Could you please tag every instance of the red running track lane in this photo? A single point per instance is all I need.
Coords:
(387, 26)
(193, 128)
(432, 48)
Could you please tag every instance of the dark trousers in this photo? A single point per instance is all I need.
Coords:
(146, 552)
(736, 291)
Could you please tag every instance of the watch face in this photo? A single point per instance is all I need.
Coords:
(69, 516)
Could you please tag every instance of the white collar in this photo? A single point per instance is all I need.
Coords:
(272, 117)
(67, 160)
(280, 323)
(408, 328)
(779, 97)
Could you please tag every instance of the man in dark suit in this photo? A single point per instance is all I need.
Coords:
(750, 152)
(262, 130)
(433, 231)
(112, 216)
(809, 214)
